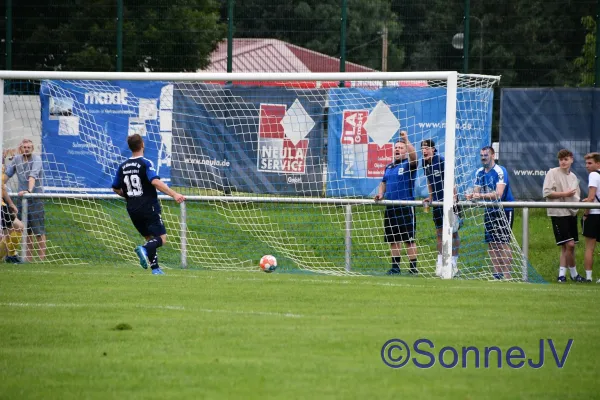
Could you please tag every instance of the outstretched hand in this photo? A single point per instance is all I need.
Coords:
(179, 198)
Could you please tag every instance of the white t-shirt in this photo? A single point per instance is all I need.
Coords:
(594, 180)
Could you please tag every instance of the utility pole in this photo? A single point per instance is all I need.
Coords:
(384, 49)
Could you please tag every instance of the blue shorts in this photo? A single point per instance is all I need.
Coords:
(498, 225)
(148, 223)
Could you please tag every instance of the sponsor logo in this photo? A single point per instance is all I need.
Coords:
(442, 125)
(106, 98)
(362, 157)
(294, 179)
(212, 163)
(529, 172)
(282, 143)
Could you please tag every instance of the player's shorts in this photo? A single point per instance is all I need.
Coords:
(565, 229)
(498, 225)
(438, 217)
(35, 216)
(399, 223)
(148, 223)
(591, 226)
(7, 217)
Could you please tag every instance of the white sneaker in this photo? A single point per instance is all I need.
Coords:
(438, 270)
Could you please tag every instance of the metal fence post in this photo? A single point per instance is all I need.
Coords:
(466, 36)
(348, 252)
(24, 207)
(525, 243)
(119, 35)
(183, 233)
(8, 43)
(230, 35)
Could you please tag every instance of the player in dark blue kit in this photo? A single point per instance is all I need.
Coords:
(491, 184)
(433, 164)
(136, 180)
(399, 222)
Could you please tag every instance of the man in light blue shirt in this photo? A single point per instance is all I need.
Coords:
(491, 184)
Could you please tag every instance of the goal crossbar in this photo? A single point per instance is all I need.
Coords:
(236, 76)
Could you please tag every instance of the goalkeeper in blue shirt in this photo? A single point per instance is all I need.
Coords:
(399, 222)
(136, 180)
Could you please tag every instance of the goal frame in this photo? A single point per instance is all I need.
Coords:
(450, 77)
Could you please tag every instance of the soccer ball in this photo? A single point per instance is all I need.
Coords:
(268, 263)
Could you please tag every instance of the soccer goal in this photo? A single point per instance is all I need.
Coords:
(282, 164)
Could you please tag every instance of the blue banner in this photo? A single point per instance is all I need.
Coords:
(85, 127)
(364, 125)
(536, 123)
(248, 139)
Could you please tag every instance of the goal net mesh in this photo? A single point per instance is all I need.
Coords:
(266, 167)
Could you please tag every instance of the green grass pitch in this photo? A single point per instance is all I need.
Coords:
(102, 331)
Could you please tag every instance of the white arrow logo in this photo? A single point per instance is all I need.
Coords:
(381, 124)
(296, 123)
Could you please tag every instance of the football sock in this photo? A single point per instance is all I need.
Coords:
(454, 260)
(395, 262)
(3, 247)
(413, 265)
(439, 260)
(588, 274)
(14, 239)
(154, 261)
(573, 271)
(562, 271)
(151, 246)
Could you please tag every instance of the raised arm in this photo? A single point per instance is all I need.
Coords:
(412, 153)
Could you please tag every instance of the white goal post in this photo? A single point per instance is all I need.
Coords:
(234, 140)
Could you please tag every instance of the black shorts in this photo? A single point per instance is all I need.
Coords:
(591, 226)
(438, 217)
(565, 229)
(148, 224)
(7, 217)
(498, 225)
(399, 223)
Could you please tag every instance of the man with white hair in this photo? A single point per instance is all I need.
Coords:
(28, 167)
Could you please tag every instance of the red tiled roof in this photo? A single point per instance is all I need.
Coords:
(272, 55)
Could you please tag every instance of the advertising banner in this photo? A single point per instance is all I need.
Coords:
(536, 123)
(364, 124)
(248, 139)
(85, 129)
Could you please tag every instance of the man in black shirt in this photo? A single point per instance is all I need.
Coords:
(136, 180)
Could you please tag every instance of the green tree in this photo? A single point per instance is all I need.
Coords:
(586, 63)
(316, 25)
(527, 42)
(82, 35)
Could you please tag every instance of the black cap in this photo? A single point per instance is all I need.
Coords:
(427, 143)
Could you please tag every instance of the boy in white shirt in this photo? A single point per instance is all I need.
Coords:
(561, 185)
(591, 217)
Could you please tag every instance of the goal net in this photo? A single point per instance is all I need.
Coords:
(286, 165)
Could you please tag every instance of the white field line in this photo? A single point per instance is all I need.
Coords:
(159, 307)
